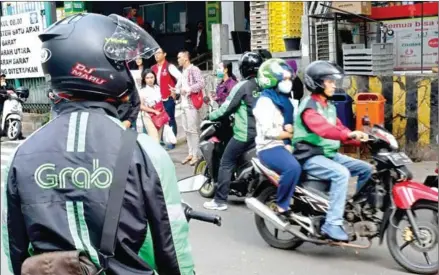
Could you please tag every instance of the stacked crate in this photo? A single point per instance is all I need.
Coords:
(285, 20)
(259, 25)
(378, 60)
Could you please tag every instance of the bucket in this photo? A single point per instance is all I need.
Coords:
(292, 44)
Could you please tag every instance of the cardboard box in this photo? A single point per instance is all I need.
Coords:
(362, 8)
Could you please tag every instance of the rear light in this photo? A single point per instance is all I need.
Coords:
(436, 171)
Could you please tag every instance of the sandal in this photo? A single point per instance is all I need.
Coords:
(193, 161)
(186, 160)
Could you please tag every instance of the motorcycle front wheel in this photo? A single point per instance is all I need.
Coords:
(429, 235)
(268, 197)
(208, 188)
(13, 129)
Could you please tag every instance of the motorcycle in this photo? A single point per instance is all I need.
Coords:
(213, 141)
(390, 191)
(432, 180)
(193, 184)
(11, 123)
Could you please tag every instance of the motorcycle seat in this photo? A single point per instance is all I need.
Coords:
(269, 172)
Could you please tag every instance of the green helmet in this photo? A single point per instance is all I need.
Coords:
(271, 72)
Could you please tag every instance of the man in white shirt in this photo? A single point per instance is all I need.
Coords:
(167, 77)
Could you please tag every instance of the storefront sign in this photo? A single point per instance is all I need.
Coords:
(73, 7)
(409, 39)
(213, 16)
(20, 45)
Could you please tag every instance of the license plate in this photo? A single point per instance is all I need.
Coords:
(399, 159)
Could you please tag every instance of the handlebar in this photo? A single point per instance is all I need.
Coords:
(200, 216)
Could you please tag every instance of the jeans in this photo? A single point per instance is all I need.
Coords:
(281, 161)
(233, 151)
(170, 110)
(338, 169)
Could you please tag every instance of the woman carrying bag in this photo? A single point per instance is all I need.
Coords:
(153, 116)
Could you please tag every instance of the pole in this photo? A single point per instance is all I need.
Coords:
(422, 37)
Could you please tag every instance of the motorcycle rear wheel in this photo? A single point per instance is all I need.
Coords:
(268, 237)
(208, 189)
(394, 249)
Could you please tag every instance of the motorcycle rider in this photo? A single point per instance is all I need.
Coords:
(4, 88)
(47, 209)
(274, 118)
(240, 102)
(317, 137)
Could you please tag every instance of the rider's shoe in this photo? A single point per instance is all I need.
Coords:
(213, 205)
(335, 232)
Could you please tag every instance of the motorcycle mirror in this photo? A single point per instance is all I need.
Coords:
(191, 184)
(365, 121)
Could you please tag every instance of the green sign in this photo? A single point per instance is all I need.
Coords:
(72, 7)
(213, 16)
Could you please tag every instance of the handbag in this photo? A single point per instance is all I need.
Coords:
(77, 262)
(161, 119)
(197, 97)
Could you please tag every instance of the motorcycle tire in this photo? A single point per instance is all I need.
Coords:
(394, 249)
(291, 244)
(13, 134)
(208, 189)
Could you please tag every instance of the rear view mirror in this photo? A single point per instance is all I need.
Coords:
(191, 184)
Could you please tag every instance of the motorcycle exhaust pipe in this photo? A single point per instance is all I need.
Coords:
(263, 211)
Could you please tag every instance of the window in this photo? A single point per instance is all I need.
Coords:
(166, 17)
(175, 17)
(154, 14)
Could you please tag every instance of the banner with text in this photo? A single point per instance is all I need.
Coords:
(411, 42)
(20, 46)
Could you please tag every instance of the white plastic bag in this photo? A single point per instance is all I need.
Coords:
(168, 135)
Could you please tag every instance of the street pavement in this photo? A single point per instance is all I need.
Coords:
(236, 248)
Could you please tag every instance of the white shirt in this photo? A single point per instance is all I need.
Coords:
(137, 75)
(183, 82)
(150, 96)
(198, 37)
(269, 124)
(171, 69)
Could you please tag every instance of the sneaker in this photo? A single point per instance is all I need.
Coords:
(213, 205)
(335, 232)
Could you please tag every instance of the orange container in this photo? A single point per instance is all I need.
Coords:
(370, 104)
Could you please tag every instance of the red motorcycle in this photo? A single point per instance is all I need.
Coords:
(432, 180)
(389, 199)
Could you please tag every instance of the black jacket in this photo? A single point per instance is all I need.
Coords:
(56, 193)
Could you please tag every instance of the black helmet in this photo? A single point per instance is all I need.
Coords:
(85, 55)
(318, 71)
(249, 64)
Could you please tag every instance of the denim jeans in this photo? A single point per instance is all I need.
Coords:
(338, 170)
(233, 151)
(281, 161)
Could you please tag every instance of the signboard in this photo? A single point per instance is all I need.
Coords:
(213, 16)
(20, 45)
(407, 38)
(73, 7)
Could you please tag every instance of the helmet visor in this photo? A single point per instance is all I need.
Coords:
(335, 78)
(129, 41)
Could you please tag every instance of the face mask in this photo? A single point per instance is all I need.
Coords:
(285, 86)
(219, 74)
